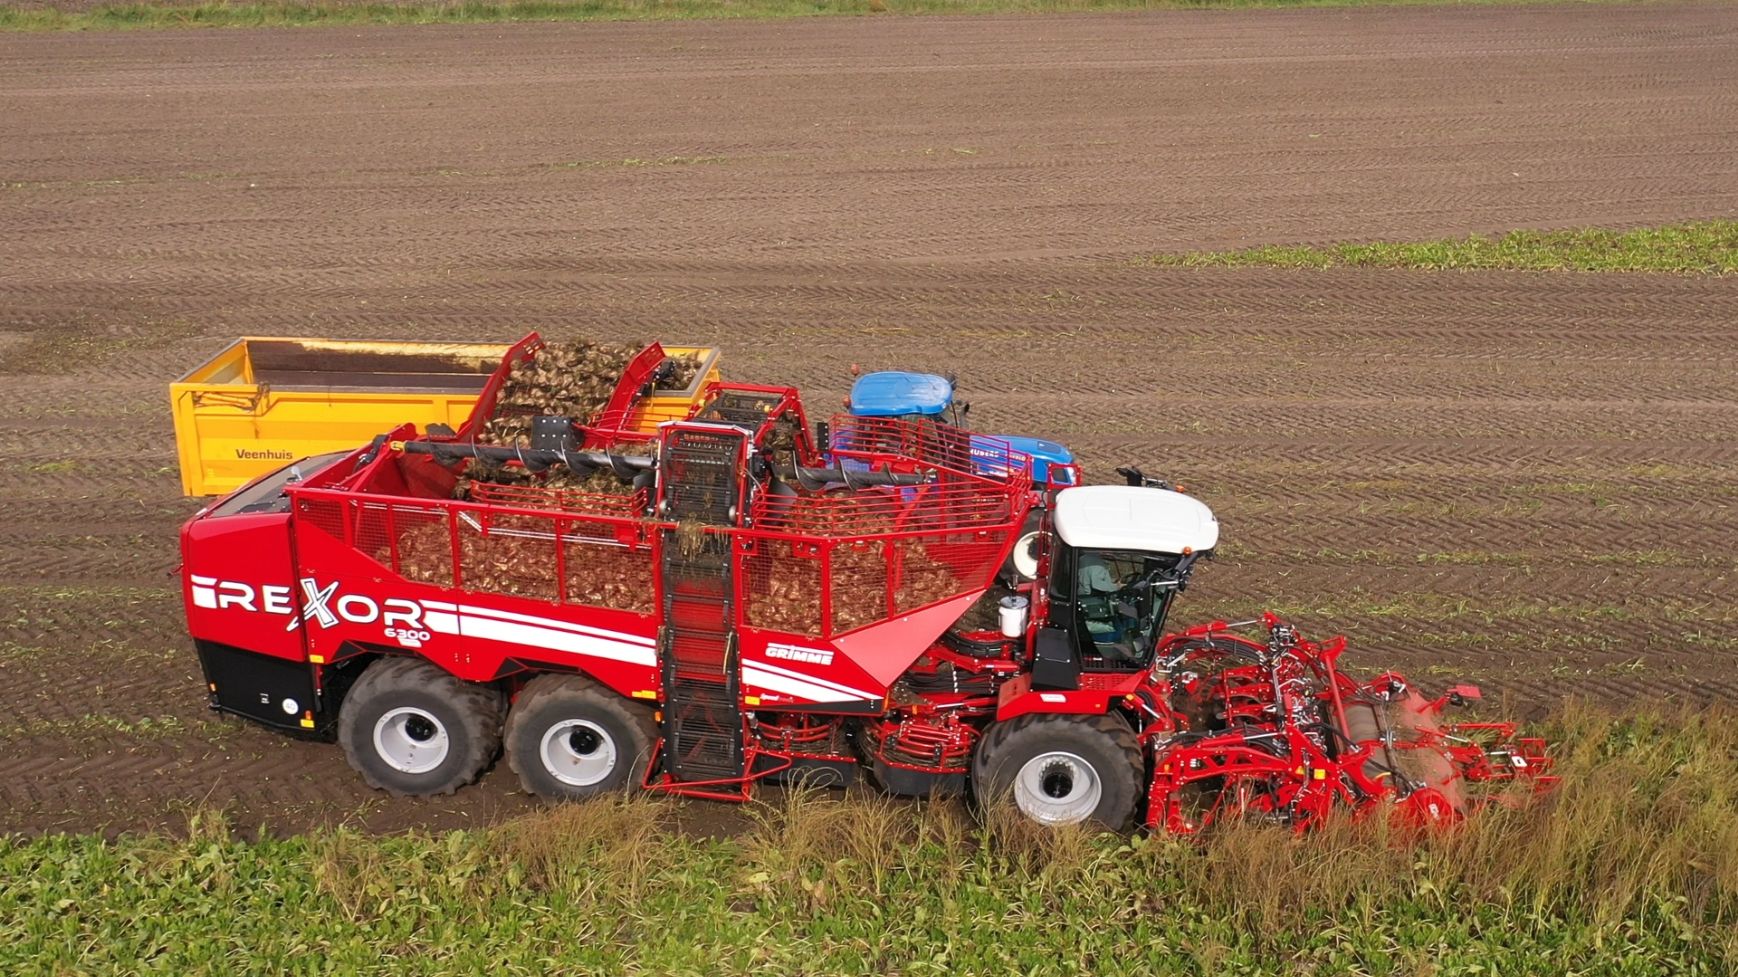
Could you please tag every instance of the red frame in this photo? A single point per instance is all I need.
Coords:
(330, 579)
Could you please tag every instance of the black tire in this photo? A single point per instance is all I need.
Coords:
(1102, 748)
(608, 739)
(396, 702)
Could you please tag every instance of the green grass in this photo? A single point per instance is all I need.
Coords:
(1699, 247)
(1631, 868)
(72, 345)
(60, 467)
(286, 13)
(92, 727)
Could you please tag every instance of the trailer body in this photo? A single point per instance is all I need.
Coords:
(264, 401)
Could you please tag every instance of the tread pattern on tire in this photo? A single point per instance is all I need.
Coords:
(398, 674)
(553, 684)
(1112, 726)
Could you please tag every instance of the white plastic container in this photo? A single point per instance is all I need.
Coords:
(1012, 611)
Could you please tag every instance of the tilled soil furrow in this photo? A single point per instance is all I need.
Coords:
(1521, 478)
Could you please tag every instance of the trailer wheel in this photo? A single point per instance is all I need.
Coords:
(1061, 769)
(410, 728)
(569, 738)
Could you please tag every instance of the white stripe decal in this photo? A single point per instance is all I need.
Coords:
(535, 637)
(538, 636)
(807, 690)
(204, 581)
(439, 605)
(471, 611)
(799, 676)
(441, 622)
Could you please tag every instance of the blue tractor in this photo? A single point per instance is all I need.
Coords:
(925, 396)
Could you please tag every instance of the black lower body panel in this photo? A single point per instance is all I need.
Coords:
(916, 783)
(274, 691)
(816, 772)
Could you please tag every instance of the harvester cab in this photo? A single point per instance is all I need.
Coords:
(1119, 556)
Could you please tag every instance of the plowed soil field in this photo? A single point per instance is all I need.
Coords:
(1523, 479)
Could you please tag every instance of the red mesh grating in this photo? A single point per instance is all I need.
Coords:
(509, 554)
(323, 515)
(607, 574)
(930, 445)
(953, 503)
(782, 587)
(937, 568)
(374, 536)
(423, 549)
(927, 441)
(859, 582)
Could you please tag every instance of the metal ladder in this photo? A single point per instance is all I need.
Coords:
(700, 472)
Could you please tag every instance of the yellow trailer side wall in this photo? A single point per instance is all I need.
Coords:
(230, 429)
(677, 405)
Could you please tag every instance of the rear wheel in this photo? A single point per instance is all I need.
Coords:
(1061, 769)
(410, 728)
(569, 738)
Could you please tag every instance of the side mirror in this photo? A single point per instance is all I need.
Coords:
(1139, 479)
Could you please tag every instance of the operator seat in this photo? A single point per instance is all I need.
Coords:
(1096, 587)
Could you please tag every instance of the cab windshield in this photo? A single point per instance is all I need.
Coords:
(1118, 600)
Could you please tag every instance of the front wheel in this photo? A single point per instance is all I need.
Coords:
(411, 729)
(569, 738)
(1061, 769)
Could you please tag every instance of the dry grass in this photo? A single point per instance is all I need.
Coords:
(1630, 868)
(1647, 820)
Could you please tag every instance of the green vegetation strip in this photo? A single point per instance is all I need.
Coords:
(1630, 868)
(1703, 247)
(287, 13)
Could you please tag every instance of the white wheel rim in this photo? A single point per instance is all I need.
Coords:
(411, 740)
(1057, 788)
(578, 752)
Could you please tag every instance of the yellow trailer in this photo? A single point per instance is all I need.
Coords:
(266, 401)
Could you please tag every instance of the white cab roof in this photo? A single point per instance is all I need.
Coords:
(1128, 517)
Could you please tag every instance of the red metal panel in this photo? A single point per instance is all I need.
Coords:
(485, 407)
(238, 583)
(887, 649)
(1098, 691)
(349, 597)
(636, 379)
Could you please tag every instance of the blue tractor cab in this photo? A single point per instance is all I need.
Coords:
(897, 393)
(1044, 455)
